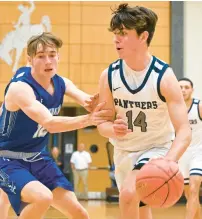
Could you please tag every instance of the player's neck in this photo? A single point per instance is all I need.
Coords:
(138, 62)
(43, 81)
(189, 103)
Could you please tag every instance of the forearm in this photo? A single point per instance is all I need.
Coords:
(82, 98)
(180, 144)
(106, 130)
(63, 124)
(79, 97)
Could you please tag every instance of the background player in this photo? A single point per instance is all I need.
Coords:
(191, 161)
(145, 94)
(34, 96)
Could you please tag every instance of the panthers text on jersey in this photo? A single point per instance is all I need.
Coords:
(141, 104)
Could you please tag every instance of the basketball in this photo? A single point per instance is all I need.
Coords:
(159, 183)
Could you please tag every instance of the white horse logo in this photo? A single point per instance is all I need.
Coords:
(16, 40)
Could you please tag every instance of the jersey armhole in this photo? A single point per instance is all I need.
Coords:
(161, 73)
(63, 85)
(199, 111)
(110, 77)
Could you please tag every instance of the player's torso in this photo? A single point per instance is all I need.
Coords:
(196, 123)
(142, 107)
(20, 133)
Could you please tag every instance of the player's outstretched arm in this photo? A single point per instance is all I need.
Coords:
(170, 89)
(118, 127)
(78, 95)
(21, 96)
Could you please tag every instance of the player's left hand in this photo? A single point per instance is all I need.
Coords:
(91, 102)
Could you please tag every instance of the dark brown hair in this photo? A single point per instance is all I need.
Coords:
(139, 18)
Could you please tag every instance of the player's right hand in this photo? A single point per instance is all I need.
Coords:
(120, 127)
(100, 115)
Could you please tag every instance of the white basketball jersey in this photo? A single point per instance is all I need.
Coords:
(196, 123)
(143, 107)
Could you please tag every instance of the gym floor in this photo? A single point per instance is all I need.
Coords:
(104, 210)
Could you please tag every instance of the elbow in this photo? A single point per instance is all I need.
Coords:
(101, 130)
(104, 131)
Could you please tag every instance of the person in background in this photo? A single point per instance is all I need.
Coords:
(55, 151)
(191, 161)
(80, 161)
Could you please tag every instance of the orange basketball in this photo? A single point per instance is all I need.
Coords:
(160, 184)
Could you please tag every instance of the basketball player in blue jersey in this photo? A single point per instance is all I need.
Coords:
(28, 175)
(144, 94)
(191, 161)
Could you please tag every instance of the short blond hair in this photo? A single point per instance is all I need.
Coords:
(46, 39)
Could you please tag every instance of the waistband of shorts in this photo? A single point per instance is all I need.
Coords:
(81, 169)
(17, 155)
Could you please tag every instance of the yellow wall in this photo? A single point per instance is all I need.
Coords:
(98, 179)
(88, 47)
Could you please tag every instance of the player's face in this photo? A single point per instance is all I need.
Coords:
(187, 89)
(127, 42)
(45, 62)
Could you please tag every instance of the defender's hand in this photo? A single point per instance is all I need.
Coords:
(100, 115)
(91, 103)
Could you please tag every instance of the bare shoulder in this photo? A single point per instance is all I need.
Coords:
(104, 76)
(169, 84)
(18, 92)
(68, 83)
(66, 80)
(168, 77)
(17, 87)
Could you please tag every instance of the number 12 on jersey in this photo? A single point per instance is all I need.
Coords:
(139, 121)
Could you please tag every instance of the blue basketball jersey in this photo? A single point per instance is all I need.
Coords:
(18, 132)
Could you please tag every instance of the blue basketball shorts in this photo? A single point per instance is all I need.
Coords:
(15, 174)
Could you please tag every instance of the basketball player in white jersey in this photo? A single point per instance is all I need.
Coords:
(144, 94)
(191, 161)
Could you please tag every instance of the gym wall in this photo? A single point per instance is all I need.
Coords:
(88, 47)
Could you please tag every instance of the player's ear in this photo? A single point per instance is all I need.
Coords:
(29, 61)
(144, 36)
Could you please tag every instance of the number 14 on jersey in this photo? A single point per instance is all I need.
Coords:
(139, 121)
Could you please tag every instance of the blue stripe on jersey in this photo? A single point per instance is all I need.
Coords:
(144, 81)
(115, 65)
(191, 105)
(199, 110)
(110, 77)
(18, 132)
(161, 73)
(197, 102)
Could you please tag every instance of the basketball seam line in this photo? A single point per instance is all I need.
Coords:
(168, 190)
(166, 182)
